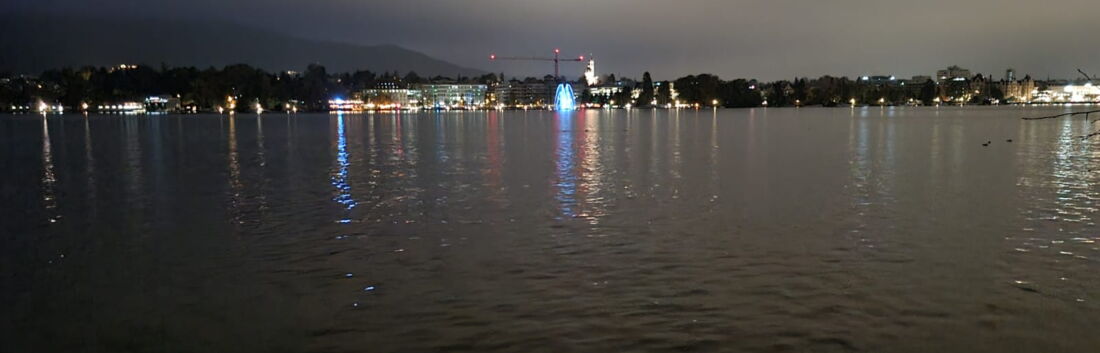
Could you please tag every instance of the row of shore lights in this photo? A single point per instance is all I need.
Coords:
(231, 103)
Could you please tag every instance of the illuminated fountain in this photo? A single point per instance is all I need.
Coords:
(563, 97)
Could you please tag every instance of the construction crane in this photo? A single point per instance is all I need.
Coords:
(1087, 77)
(556, 59)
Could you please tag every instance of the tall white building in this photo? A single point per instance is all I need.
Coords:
(590, 76)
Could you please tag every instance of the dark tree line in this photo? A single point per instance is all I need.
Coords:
(312, 88)
(204, 88)
(709, 90)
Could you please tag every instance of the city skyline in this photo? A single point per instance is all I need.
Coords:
(768, 41)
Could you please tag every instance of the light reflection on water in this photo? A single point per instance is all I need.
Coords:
(49, 179)
(340, 172)
(89, 162)
(236, 186)
(872, 229)
(565, 155)
(1056, 249)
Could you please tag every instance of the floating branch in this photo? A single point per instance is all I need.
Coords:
(1064, 114)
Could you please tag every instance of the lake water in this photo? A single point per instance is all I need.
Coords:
(765, 230)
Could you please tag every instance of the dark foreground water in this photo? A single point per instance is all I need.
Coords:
(768, 230)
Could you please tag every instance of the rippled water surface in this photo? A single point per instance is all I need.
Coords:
(767, 230)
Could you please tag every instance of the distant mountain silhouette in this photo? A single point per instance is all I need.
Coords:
(33, 43)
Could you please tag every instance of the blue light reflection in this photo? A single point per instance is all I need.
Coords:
(340, 175)
(566, 162)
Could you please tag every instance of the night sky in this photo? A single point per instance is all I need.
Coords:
(766, 39)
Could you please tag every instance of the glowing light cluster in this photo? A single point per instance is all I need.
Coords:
(345, 105)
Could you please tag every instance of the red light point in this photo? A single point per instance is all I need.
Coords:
(492, 56)
(557, 51)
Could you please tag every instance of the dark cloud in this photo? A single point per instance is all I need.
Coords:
(768, 39)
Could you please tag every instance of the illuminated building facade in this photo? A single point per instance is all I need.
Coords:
(453, 95)
(1070, 93)
(600, 91)
(124, 107)
(389, 95)
(520, 93)
(880, 80)
(346, 105)
(163, 104)
(1021, 91)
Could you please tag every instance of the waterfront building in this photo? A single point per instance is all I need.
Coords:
(982, 87)
(952, 73)
(1086, 93)
(880, 80)
(163, 104)
(124, 107)
(604, 91)
(1069, 93)
(517, 93)
(616, 93)
(956, 90)
(390, 95)
(452, 95)
(1021, 91)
